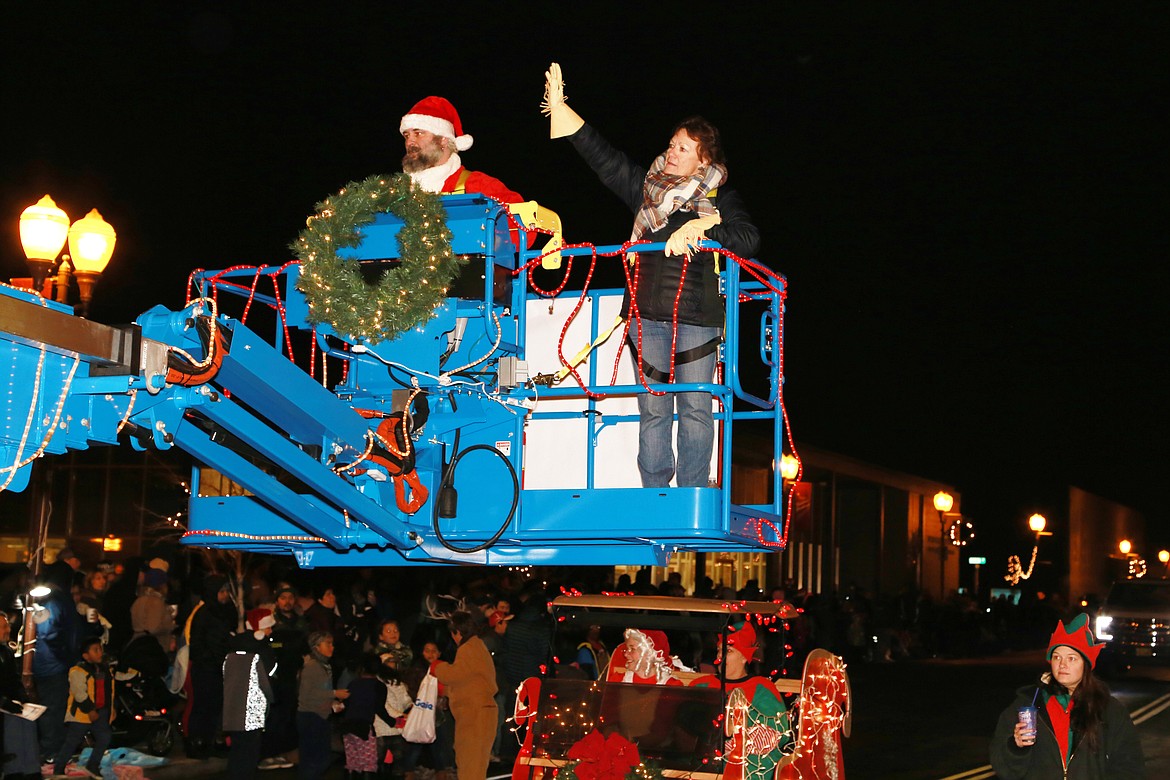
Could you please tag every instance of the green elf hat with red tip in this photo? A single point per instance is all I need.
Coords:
(1077, 635)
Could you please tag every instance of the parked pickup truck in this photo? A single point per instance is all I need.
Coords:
(1135, 620)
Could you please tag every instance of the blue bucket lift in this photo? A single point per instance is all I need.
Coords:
(507, 470)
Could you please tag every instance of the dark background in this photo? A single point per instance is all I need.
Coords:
(968, 199)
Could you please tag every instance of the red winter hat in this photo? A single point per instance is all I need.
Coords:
(260, 619)
(1077, 635)
(436, 115)
(744, 640)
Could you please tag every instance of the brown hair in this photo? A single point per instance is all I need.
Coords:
(464, 623)
(1089, 702)
(706, 135)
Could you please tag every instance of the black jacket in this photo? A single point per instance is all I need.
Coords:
(659, 275)
(1119, 756)
(212, 626)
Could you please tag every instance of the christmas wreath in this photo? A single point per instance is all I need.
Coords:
(403, 296)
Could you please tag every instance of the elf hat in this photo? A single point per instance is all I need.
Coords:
(260, 619)
(436, 115)
(744, 640)
(1077, 635)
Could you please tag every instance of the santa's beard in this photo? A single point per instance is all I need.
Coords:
(422, 157)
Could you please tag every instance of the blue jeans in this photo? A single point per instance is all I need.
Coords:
(696, 424)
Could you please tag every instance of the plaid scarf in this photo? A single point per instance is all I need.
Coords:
(664, 193)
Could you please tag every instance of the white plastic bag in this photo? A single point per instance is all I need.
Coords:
(420, 721)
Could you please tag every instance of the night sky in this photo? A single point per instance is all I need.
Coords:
(969, 200)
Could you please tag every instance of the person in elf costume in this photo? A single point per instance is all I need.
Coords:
(758, 728)
(434, 136)
(1081, 731)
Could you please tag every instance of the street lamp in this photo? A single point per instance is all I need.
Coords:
(1037, 522)
(44, 229)
(943, 501)
(1164, 559)
(1015, 569)
(789, 467)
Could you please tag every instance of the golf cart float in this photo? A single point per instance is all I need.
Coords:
(579, 727)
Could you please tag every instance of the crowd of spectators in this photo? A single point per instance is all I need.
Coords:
(348, 648)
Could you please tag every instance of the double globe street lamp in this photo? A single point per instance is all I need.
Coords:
(44, 231)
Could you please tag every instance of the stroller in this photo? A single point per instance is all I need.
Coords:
(143, 705)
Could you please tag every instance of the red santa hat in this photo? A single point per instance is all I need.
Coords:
(259, 620)
(436, 115)
(498, 617)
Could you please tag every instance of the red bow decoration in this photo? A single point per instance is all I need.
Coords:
(604, 758)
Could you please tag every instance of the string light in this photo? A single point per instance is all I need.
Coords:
(257, 537)
(956, 529)
(1015, 569)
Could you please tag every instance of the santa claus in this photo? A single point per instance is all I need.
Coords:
(434, 136)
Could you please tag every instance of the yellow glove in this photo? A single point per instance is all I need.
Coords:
(686, 239)
(563, 120)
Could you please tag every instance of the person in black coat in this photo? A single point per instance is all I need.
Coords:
(676, 315)
(211, 626)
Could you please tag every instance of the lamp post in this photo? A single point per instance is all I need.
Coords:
(943, 501)
(1015, 569)
(44, 229)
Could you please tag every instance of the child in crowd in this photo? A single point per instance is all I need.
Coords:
(398, 703)
(87, 710)
(365, 705)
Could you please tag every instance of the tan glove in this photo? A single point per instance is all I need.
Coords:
(563, 120)
(686, 239)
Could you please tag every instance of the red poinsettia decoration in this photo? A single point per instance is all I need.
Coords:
(604, 758)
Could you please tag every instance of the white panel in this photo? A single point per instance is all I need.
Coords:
(555, 450)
